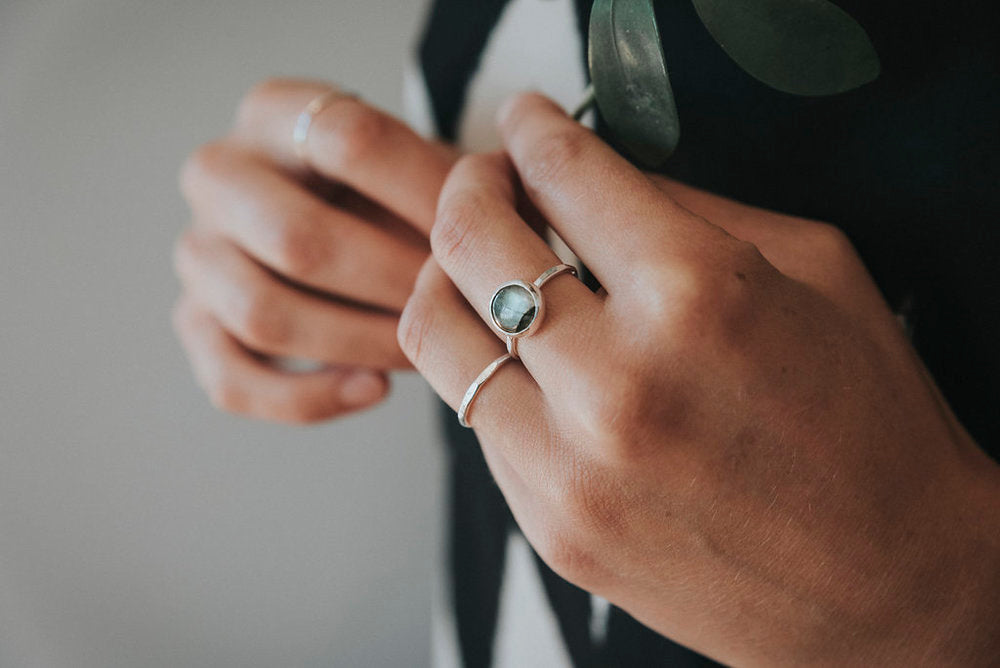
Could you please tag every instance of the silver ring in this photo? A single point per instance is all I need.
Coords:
(477, 384)
(305, 120)
(517, 308)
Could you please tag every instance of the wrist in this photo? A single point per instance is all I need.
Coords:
(956, 606)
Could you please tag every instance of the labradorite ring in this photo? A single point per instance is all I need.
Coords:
(517, 307)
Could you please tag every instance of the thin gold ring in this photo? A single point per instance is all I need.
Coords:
(305, 120)
(477, 384)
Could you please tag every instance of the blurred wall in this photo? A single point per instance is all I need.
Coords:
(138, 527)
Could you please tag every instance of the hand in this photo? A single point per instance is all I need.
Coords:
(292, 260)
(733, 439)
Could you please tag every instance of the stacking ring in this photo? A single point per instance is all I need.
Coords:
(477, 384)
(305, 120)
(517, 307)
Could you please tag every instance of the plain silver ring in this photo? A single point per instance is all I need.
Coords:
(477, 384)
(305, 120)
(534, 292)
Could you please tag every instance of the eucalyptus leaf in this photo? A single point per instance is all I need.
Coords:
(629, 78)
(803, 47)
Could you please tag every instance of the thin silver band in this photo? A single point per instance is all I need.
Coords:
(477, 384)
(305, 120)
(549, 274)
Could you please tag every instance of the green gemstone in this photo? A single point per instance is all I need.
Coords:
(513, 309)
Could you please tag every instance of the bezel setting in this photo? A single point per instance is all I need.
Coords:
(537, 300)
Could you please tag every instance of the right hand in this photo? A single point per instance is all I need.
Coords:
(315, 261)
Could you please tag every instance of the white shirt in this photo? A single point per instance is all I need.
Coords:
(534, 46)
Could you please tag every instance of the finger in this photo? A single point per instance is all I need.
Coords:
(481, 243)
(284, 226)
(270, 317)
(239, 382)
(605, 209)
(349, 142)
(449, 346)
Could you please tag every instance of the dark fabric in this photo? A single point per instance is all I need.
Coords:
(452, 44)
(907, 166)
(480, 523)
(572, 606)
(631, 645)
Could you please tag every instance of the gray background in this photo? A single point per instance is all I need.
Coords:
(138, 527)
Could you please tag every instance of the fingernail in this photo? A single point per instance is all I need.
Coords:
(362, 388)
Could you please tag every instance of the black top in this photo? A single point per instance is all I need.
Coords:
(907, 166)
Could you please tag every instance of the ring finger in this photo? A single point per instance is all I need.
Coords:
(449, 346)
(481, 243)
(348, 142)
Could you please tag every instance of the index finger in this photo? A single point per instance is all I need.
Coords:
(350, 142)
(606, 209)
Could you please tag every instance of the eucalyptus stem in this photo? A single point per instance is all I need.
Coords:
(586, 103)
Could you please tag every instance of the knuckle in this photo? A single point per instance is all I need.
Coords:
(616, 412)
(207, 163)
(553, 157)
(228, 396)
(459, 215)
(304, 410)
(262, 323)
(680, 301)
(355, 131)
(747, 257)
(736, 295)
(299, 246)
(473, 164)
(414, 329)
(827, 241)
(191, 256)
(714, 303)
(695, 289)
(256, 98)
(516, 109)
(700, 302)
(629, 412)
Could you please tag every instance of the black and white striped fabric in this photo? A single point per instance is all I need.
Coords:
(907, 166)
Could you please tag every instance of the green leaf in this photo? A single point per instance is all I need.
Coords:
(803, 47)
(629, 76)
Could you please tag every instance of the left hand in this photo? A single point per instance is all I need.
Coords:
(732, 440)
(305, 254)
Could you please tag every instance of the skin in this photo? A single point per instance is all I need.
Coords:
(306, 260)
(732, 440)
